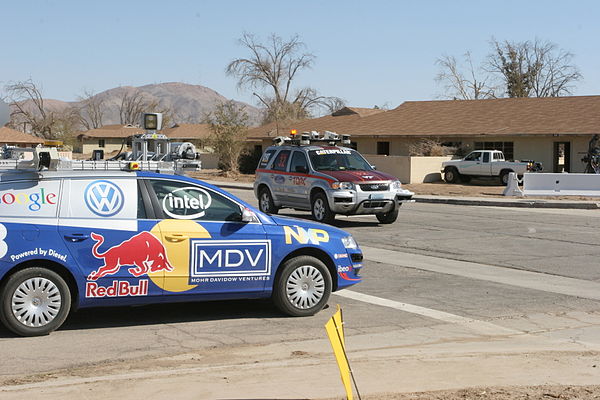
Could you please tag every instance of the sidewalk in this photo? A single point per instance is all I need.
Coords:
(466, 201)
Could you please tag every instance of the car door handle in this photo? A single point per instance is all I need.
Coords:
(76, 237)
(176, 237)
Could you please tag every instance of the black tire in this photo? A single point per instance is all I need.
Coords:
(389, 217)
(451, 175)
(320, 209)
(302, 286)
(39, 289)
(504, 177)
(265, 202)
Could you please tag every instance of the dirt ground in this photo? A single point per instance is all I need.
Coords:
(475, 188)
(501, 393)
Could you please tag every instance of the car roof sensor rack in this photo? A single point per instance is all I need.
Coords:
(312, 137)
(46, 158)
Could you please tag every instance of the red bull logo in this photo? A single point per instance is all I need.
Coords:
(143, 253)
(117, 289)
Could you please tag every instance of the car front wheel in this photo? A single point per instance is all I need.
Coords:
(303, 286)
(451, 175)
(35, 302)
(320, 209)
(389, 217)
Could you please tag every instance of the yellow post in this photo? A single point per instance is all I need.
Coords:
(335, 331)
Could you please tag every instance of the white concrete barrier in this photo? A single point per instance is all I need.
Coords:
(539, 184)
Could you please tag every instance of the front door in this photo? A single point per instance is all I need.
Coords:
(562, 156)
(104, 225)
(210, 251)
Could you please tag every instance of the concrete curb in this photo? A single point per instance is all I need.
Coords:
(496, 202)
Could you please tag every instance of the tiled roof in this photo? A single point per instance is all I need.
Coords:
(8, 135)
(512, 116)
(112, 131)
(188, 131)
(574, 115)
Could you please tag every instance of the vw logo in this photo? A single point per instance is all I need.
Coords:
(104, 198)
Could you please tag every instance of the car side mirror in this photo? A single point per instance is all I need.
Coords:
(374, 166)
(302, 169)
(248, 216)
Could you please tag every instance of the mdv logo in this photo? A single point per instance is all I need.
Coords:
(104, 198)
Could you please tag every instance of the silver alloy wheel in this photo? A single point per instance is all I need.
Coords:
(264, 202)
(319, 209)
(305, 287)
(36, 302)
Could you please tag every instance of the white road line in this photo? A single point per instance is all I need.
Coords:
(507, 276)
(481, 327)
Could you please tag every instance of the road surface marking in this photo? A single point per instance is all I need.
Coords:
(481, 327)
(507, 276)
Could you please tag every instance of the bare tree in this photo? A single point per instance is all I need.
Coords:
(333, 104)
(228, 125)
(27, 104)
(274, 66)
(92, 110)
(131, 107)
(533, 69)
(462, 82)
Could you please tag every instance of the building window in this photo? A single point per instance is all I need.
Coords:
(383, 148)
(101, 142)
(505, 147)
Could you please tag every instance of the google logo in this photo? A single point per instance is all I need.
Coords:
(34, 201)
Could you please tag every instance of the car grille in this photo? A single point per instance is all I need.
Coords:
(374, 187)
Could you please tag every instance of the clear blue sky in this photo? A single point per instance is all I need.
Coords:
(367, 53)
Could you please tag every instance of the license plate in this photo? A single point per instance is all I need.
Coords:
(377, 196)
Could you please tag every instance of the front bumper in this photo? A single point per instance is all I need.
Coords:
(353, 202)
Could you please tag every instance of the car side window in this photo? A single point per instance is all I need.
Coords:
(299, 162)
(486, 157)
(264, 160)
(184, 200)
(281, 160)
(475, 156)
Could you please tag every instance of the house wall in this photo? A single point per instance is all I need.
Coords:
(540, 149)
(409, 169)
(110, 145)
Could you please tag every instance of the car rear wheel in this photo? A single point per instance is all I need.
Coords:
(389, 217)
(451, 175)
(35, 302)
(266, 203)
(320, 209)
(504, 177)
(303, 286)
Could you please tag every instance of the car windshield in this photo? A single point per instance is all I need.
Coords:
(338, 160)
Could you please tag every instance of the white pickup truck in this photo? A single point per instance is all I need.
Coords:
(485, 163)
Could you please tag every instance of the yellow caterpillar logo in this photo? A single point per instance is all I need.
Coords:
(304, 236)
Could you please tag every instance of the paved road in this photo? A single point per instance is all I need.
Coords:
(441, 280)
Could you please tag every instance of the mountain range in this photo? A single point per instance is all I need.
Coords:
(188, 103)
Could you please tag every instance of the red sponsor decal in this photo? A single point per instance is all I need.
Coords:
(117, 289)
(299, 180)
(143, 253)
(344, 276)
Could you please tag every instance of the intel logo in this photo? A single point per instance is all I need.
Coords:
(186, 203)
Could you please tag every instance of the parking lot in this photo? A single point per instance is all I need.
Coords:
(453, 296)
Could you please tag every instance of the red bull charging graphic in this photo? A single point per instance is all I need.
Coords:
(143, 253)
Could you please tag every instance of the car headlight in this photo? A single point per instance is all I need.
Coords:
(342, 185)
(349, 242)
(396, 185)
